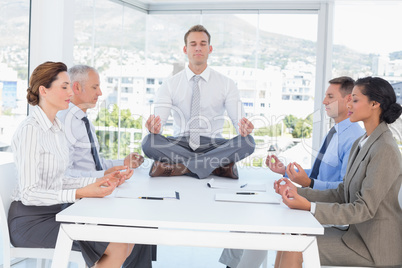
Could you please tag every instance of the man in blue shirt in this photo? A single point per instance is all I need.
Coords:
(329, 167)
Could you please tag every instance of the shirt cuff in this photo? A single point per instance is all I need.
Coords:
(67, 196)
(312, 207)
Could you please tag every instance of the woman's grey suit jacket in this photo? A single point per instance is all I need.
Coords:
(367, 199)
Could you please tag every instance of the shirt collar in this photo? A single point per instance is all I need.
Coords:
(44, 121)
(76, 111)
(341, 126)
(363, 140)
(205, 74)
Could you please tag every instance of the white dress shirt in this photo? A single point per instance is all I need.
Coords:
(81, 162)
(217, 92)
(41, 156)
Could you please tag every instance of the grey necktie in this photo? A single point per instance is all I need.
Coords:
(194, 141)
(94, 151)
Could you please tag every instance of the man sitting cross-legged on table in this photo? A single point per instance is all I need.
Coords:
(197, 97)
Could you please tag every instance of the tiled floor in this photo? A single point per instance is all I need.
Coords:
(177, 257)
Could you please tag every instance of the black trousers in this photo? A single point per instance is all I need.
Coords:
(36, 227)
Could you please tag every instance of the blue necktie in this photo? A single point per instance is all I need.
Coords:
(317, 162)
(94, 152)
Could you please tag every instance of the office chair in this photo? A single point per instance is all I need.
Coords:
(8, 182)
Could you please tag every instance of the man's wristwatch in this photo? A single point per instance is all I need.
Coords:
(311, 183)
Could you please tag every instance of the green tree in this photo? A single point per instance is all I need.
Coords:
(272, 131)
(290, 121)
(109, 140)
(111, 119)
(303, 128)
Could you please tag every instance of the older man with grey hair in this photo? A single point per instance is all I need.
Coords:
(85, 160)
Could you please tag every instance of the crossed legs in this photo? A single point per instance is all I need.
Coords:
(212, 154)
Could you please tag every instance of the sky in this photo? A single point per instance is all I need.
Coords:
(365, 27)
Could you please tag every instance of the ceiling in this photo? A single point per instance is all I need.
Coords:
(151, 6)
(188, 5)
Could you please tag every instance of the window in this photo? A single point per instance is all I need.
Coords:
(248, 104)
(359, 55)
(127, 90)
(127, 80)
(14, 21)
(110, 36)
(261, 52)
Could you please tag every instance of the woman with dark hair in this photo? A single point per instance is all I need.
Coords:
(41, 156)
(367, 200)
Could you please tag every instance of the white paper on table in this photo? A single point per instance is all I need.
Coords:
(249, 187)
(129, 193)
(258, 198)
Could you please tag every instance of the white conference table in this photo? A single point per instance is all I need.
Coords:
(194, 220)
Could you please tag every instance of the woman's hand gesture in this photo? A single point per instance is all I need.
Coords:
(292, 199)
(102, 187)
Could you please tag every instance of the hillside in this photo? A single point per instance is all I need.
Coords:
(160, 38)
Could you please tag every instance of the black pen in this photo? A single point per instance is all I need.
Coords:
(246, 193)
(151, 198)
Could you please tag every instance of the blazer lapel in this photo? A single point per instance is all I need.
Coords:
(353, 153)
(352, 165)
(358, 155)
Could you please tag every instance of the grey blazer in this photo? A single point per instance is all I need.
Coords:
(367, 199)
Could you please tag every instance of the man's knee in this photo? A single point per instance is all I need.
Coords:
(248, 144)
(146, 143)
(150, 142)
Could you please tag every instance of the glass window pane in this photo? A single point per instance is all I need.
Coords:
(14, 29)
(287, 62)
(364, 46)
(165, 38)
(111, 37)
(272, 63)
(272, 59)
(234, 41)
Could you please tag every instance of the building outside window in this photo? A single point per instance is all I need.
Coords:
(270, 56)
(14, 25)
(358, 54)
